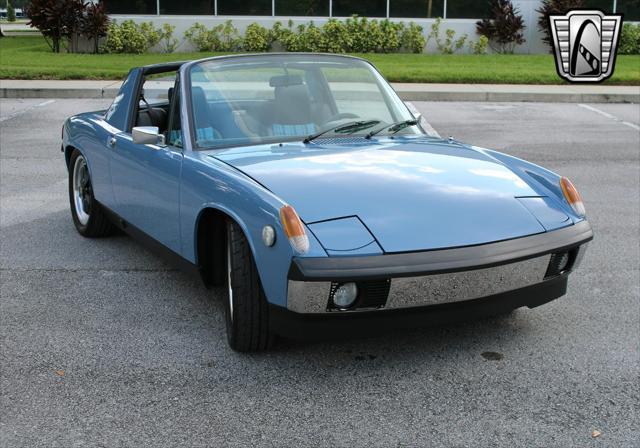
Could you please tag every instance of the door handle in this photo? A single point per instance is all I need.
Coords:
(111, 142)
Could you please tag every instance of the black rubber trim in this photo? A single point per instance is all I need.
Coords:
(439, 261)
(339, 325)
(154, 245)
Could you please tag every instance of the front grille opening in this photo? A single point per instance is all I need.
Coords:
(371, 295)
(560, 263)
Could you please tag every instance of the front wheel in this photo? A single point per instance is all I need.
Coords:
(89, 219)
(246, 308)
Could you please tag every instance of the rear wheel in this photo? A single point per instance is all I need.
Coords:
(246, 305)
(89, 219)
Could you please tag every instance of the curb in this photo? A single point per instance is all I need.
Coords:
(521, 97)
(421, 92)
(519, 93)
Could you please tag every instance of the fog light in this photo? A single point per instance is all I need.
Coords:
(345, 295)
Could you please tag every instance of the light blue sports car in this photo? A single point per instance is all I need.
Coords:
(306, 187)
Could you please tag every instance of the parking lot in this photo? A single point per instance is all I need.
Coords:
(102, 344)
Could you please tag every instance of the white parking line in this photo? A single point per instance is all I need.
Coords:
(20, 112)
(608, 115)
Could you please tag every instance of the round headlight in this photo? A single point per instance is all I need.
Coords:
(345, 295)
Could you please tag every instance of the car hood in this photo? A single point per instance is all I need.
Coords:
(411, 195)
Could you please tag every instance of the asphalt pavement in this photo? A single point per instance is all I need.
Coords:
(102, 344)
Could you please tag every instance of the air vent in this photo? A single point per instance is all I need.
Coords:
(342, 140)
(561, 262)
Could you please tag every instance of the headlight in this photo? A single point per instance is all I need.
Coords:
(572, 196)
(294, 229)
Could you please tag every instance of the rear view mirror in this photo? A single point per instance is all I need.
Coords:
(147, 135)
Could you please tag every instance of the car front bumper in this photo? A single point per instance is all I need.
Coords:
(431, 286)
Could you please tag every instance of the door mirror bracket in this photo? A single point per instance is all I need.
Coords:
(148, 135)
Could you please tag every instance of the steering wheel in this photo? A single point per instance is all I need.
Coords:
(342, 116)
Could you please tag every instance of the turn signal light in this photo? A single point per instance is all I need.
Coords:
(294, 229)
(572, 196)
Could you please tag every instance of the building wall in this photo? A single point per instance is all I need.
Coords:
(527, 8)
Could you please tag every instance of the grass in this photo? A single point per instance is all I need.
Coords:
(29, 57)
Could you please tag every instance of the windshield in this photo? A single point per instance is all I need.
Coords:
(271, 98)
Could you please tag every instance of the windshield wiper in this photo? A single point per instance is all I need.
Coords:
(394, 127)
(347, 128)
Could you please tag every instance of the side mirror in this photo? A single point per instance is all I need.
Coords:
(147, 135)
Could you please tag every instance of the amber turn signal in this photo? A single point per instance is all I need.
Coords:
(294, 229)
(572, 196)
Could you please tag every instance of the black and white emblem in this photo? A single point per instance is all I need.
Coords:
(585, 44)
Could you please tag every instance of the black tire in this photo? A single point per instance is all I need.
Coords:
(246, 309)
(98, 224)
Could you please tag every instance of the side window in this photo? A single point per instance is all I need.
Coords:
(175, 129)
(153, 102)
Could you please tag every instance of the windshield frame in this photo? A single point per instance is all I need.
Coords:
(387, 92)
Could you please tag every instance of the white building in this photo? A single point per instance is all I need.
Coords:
(459, 15)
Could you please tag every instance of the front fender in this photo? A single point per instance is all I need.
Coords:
(543, 181)
(210, 184)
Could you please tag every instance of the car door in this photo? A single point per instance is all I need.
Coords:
(146, 184)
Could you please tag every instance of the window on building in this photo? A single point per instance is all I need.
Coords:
(416, 8)
(131, 7)
(244, 8)
(302, 7)
(369, 8)
(178, 7)
(467, 9)
(630, 9)
(604, 5)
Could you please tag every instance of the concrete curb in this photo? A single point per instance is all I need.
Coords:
(407, 91)
(519, 93)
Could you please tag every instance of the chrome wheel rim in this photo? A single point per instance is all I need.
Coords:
(229, 287)
(82, 192)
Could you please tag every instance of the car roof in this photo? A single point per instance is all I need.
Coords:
(163, 67)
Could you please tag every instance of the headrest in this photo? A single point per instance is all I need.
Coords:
(285, 80)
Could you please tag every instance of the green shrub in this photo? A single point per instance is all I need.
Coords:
(359, 35)
(449, 44)
(391, 34)
(169, 43)
(256, 38)
(151, 33)
(202, 38)
(334, 37)
(479, 47)
(353, 35)
(309, 38)
(630, 39)
(223, 37)
(286, 37)
(230, 39)
(412, 38)
(130, 37)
